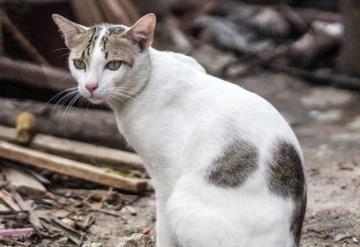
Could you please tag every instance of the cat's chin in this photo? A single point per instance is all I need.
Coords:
(95, 100)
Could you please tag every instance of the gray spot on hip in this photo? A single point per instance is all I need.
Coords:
(234, 166)
(287, 180)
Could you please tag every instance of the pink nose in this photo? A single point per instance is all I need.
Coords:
(91, 87)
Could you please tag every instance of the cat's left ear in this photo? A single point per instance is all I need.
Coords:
(69, 29)
(142, 32)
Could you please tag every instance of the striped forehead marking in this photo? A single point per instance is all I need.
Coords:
(110, 31)
(95, 32)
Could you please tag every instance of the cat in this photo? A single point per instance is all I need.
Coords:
(227, 169)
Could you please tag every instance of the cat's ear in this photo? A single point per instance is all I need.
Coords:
(142, 32)
(69, 29)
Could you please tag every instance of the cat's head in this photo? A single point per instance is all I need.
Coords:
(108, 61)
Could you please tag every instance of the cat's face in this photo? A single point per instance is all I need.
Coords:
(102, 58)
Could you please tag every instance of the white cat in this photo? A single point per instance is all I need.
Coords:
(227, 169)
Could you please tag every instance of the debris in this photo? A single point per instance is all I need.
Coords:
(130, 209)
(340, 237)
(228, 35)
(320, 76)
(70, 167)
(324, 97)
(137, 240)
(21, 232)
(7, 199)
(264, 20)
(176, 36)
(322, 39)
(205, 55)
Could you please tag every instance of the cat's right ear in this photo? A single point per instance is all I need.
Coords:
(142, 32)
(69, 30)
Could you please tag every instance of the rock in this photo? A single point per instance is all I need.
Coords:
(340, 237)
(206, 55)
(322, 97)
(4, 209)
(264, 20)
(137, 240)
(355, 124)
(327, 116)
(23, 181)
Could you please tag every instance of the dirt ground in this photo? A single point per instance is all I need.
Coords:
(327, 123)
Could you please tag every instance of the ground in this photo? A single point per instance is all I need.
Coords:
(327, 123)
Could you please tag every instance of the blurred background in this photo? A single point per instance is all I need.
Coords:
(301, 55)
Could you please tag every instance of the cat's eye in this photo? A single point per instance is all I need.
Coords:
(79, 64)
(113, 65)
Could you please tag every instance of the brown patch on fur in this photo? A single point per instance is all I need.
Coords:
(287, 179)
(235, 165)
(119, 48)
(83, 43)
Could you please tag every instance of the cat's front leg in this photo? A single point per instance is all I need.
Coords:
(164, 235)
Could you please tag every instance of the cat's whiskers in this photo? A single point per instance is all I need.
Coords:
(119, 92)
(59, 93)
(65, 115)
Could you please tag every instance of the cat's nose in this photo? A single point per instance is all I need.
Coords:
(91, 87)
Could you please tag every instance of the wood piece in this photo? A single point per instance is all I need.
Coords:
(294, 18)
(115, 13)
(30, 74)
(2, 43)
(94, 126)
(25, 127)
(309, 15)
(70, 167)
(23, 182)
(225, 34)
(320, 77)
(350, 54)
(16, 233)
(6, 198)
(176, 36)
(23, 42)
(33, 1)
(93, 154)
(321, 40)
(130, 10)
(82, 16)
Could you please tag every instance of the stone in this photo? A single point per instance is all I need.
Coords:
(323, 97)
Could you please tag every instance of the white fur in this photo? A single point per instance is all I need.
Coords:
(179, 123)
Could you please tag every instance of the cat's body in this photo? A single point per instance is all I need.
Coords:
(226, 167)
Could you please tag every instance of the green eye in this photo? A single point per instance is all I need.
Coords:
(79, 64)
(113, 65)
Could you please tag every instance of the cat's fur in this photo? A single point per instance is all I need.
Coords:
(227, 169)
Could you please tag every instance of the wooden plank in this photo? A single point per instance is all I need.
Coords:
(22, 40)
(84, 152)
(70, 167)
(86, 125)
(39, 76)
